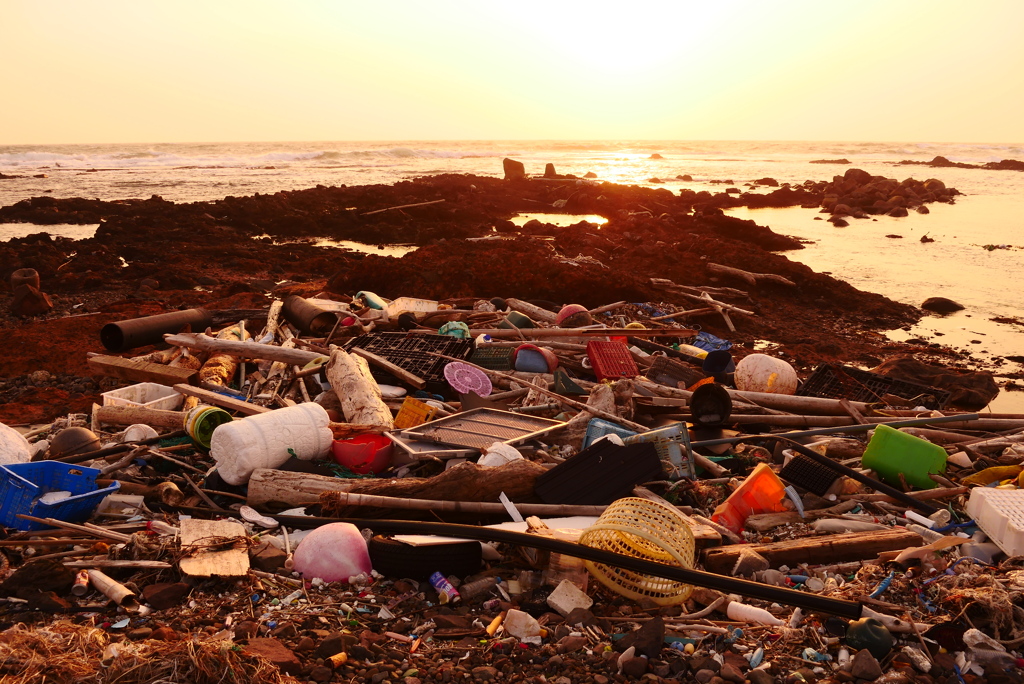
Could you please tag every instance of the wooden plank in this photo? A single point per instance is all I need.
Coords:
(833, 548)
(224, 401)
(399, 372)
(224, 559)
(131, 370)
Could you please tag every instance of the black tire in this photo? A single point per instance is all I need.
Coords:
(397, 560)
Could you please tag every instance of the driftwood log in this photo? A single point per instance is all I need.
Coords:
(359, 393)
(130, 415)
(246, 350)
(464, 482)
(749, 277)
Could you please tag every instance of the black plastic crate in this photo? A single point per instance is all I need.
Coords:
(674, 373)
(493, 358)
(847, 382)
(410, 353)
(804, 471)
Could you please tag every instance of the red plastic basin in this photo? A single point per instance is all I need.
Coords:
(363, 454)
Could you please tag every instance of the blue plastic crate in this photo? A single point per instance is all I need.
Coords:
(21, 485)
(599, 427)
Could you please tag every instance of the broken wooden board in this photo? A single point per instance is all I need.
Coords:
(131, 370)
(217, 548)
(831, 548)
(230, 403)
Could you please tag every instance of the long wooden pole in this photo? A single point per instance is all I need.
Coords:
(503, 333)
(375, 501)
(247, 350)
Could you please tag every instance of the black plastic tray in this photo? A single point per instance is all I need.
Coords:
(847, 382)
(410, 353)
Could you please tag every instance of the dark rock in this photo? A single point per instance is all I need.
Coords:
(208, 281)
(770, 182)
(635, 667)
(941, 305)
(897, 212)
(549, 171)
(590, 174)
(165, 594)
(285, 631)
(656, 156)
(925, 238)
(276, 652)
(305, 644)
(246, 629)
(684, 177)
(28, 301)
(580, 616)
(514, 170)
(484, 673)
(858, 176)
(923, 210)
(704, 676)
(731, 674)
(760, 677)
(865, 666)
(140, 633)
(655, 180)
(648, 640)
(839, 222)
(267, 557)
(570, 644)
(972, 391)
(451, 621)
(335, 644)
(894, 236)
(165, 634)
(321, 674)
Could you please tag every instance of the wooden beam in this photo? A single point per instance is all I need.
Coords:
(132, 370)
(231, 404)
(833, 548)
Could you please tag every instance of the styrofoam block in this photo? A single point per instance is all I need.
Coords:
(522, 626)
(1000, 514)
(568, 596)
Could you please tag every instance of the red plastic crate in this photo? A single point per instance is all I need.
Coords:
(611, 360)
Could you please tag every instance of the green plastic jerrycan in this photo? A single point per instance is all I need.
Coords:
(891, 452)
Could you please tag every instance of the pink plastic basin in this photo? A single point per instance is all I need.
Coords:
(363, 454)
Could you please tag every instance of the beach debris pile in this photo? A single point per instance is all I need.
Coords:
(348, 487)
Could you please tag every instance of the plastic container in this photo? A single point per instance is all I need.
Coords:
(371, 299)
(891, 452)
(529, 358)
(21, 485)
(144, 395)
(763, 373)
(517, 320)
(364, 454)
(599, 427)
(267, 440)
(1000, 514)
(488, 356)
(414, 412)
(673, 445)
(411, 304)
(761, 492)
(642, 529)
(611, 360)
(201, 421)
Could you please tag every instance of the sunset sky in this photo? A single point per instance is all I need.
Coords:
(107, 71)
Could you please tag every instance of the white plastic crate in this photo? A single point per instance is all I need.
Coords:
(146, 395)
(1000, 514)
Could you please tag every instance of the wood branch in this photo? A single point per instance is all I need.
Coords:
(664, 284)
(346, 430)
(464, 482)
(666, 317)
(717, 306)
(533, 311)
(130, 415)
(399, 372)
(608, 307)
(90, 531)
(246, 350)
(923, 495)
(748, 276)
(131, 370)
(359, 394)
(402, 206)
(108, 563)
(831, 548)
(216, 399)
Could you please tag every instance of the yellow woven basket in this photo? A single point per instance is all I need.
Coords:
(648, 530)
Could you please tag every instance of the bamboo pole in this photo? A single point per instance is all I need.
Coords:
(402, 206)
(540, 333)
(94, 532)
(113, 590)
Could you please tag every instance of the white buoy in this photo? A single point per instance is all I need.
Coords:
(763, 373)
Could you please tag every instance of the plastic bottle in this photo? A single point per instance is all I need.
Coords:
(484, 339)
(471, 589)
(562, 567)
(741, 612)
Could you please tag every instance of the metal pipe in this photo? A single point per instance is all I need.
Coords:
(139, 332)
(840, 607)
(308, 317)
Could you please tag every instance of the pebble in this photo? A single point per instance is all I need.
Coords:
(865, 666)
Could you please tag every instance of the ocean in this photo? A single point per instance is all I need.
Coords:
(975, 258)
